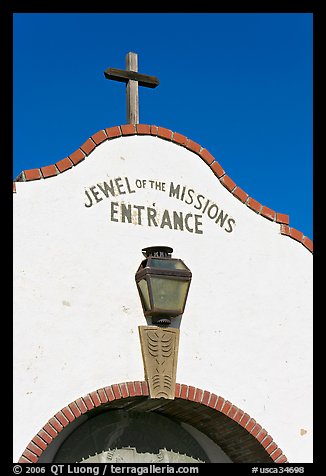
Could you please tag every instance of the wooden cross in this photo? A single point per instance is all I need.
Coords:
(132, 78)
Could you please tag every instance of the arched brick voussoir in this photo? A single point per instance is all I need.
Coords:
(74, 410)
(218, 403)
(104, 396)
(163, 133)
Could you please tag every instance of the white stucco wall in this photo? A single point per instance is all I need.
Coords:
(247, 329)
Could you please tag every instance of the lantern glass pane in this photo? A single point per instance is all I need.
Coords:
(169, 294)
(167, 264)
(142, 284)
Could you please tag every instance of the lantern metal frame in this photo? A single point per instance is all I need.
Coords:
(146, 271)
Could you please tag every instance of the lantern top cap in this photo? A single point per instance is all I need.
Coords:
(157, 251)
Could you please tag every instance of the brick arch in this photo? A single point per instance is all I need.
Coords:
(144, 129)
(204, 404)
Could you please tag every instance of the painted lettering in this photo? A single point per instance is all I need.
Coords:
(174, 220)
(166, 221)
(114, 211)
(212, 214)
(178, 221)
(221, 218)
(151, 217)
(139, 209)
(190, 193)
(140, 183)
(107, 188)
(95, 193)
(198, 223)
(174, 191)
(119, 185)
(125, 213)
(206, 205)
(199, 202)
(189, 215)
(157, 185)
(88, 205)
(230, 222)
(128, 186)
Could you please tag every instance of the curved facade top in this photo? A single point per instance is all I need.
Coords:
(244, 361)
(144, 129)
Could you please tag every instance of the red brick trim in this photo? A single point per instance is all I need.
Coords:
(49, 171)
(166, 134)
(123, 390)
(298, 236)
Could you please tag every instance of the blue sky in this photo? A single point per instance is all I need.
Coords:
(239, 84)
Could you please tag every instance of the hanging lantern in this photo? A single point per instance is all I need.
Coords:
(163, 284)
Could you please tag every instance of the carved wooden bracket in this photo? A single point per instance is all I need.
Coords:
(159, 348)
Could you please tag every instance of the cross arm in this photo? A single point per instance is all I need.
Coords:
(125, 76)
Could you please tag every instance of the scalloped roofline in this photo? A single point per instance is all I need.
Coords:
(144, 129)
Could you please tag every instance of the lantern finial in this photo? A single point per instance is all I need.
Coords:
(157, 251)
